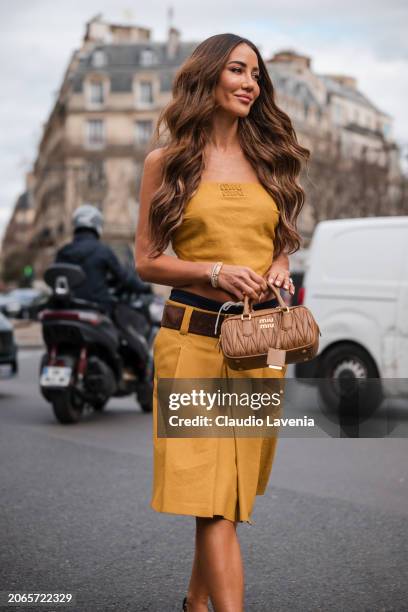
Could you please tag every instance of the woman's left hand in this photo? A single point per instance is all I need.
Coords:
(278, 275)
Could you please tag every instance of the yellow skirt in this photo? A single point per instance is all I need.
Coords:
(211, 476)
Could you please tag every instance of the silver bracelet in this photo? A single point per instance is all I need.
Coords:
(214, 273)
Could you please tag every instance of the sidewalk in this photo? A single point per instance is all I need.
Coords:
(27, 334)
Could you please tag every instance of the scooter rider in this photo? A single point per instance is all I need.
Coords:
(96, 259)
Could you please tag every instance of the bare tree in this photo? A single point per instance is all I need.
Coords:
(346, 187)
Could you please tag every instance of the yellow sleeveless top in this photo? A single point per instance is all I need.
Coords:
(230, 222)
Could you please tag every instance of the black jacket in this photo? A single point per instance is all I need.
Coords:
(97, 259)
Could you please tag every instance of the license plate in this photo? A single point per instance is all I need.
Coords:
(5, 370)
(55, 376)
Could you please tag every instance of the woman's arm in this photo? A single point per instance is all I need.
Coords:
(164, 269)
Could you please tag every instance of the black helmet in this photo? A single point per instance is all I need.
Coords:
(89, 216)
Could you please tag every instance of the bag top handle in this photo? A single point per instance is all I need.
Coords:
(248, 301)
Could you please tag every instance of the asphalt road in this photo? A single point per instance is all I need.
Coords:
(330, 534)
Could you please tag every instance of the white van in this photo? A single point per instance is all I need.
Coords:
(356, 286)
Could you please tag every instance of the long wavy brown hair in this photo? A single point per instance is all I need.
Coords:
(266, 136)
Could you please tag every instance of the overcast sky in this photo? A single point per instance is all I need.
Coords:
(365, 39)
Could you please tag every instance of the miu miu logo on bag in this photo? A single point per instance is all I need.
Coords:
(229, 190)
(266, 322)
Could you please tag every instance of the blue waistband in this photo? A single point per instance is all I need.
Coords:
(193, 299)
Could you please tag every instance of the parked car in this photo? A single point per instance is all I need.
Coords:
(4, 300)
(23, 303)
(356, 285)
(8, 349)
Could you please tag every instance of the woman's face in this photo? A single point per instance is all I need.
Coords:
(238, 87)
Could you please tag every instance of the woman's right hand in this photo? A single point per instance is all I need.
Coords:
(240, 280)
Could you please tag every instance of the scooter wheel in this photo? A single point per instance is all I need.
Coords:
(146, 407)
(99, 406)
(67, 408)
(144, 396)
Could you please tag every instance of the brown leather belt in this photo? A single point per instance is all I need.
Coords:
(202, 323)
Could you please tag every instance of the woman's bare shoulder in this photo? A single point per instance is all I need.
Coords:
(154, 159)
(153, 168)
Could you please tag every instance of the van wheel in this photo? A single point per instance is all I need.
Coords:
(349, 381)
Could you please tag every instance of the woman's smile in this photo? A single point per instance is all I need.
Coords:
(244, 99)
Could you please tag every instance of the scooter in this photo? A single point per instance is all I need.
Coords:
(90, 356)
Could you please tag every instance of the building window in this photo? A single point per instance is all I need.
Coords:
(338, 113)
(95, 132)
(143, 131)
(98, 58)
(166, 81)
(147, 57)
(386, 130)
(305, 109)
(95, 174)
(96, 93)
(145, 92)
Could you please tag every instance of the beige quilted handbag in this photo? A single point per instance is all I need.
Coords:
(272, 337)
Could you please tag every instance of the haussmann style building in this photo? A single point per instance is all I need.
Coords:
(97, 135)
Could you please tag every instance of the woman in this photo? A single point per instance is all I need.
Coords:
(223, 190)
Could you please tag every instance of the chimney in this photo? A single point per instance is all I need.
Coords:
(291, 58)
(99, 31)
(173, 43)
(347, 81)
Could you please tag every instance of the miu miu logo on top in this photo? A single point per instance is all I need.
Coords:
(230, 190)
